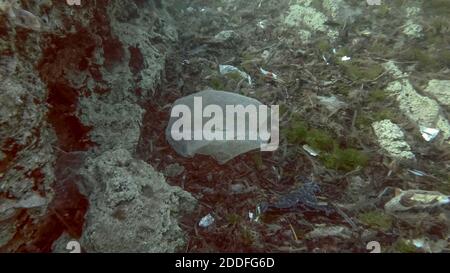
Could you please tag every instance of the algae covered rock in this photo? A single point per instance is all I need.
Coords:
(391, 139)
(132, 208)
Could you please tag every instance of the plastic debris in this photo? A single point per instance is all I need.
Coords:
(332, 103)
(429, 133)
(429, 246)
(206, 221)
(223, 149)
(345, 58)
(416, 200)
(310, 150)
(325, 60)
(254, 216)
(268, 74)
(263, 24)
(227, 69)
(417, 172)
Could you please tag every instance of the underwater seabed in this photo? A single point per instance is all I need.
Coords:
(363, 161)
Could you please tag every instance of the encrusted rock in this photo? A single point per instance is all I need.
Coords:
(392, 140)
(422, 110)
(440, 90)
(132, 208)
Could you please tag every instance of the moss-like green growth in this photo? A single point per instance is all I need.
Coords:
(425, 60)
(359, 70)
(257, 159)
(377, 95)
(344, 159)
(234, 219)
(403, 246)
(437, 7)
(365, 119)
(217, 83)
(376, 219)
(247, 237)
(332, 155)
(323, 46)
(320, 140)
(384, 114)
(297, 131)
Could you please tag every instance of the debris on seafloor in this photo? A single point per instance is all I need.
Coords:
(427, 245)
(417, 172)
(268, 74)
(221, 149)
(391, 139)
(429, 133)
(345, 58)
(311, 151)
(225, 36)
(228, 69)
(206, 221)
(263, 24)
(332, 103)
(321, 232)
(416, 201)
(303, 198)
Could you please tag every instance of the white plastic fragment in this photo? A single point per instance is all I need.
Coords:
(206, 221)
(263, 24)
(310, 150)
(428, 245)
(429, 133)
(331, 103)
(417, 172)
(346, 58)
(227, 69)
(268, 74)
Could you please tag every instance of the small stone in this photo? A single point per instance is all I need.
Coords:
(173, 170)
(331, 231)
(237, 188)
(226, 36)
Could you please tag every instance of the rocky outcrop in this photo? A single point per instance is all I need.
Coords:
(73, 78)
